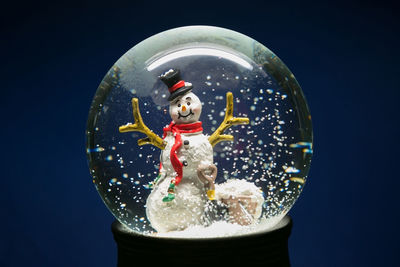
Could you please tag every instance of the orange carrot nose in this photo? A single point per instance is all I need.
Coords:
(183, 108)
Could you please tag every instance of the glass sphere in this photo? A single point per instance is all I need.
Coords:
(233, 174)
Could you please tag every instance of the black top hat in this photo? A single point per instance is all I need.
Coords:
(176, 86)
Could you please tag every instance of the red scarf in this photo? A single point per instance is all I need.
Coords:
(176, 130)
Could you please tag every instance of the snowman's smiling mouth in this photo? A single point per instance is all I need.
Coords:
(185, 116)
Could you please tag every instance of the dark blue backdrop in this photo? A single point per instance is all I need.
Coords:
(344, 56)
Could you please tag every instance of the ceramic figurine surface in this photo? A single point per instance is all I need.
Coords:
(187, 172)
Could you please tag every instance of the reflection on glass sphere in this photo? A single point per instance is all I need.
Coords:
(219, 175)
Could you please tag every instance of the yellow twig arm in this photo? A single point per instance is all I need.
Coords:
(139, 126)
(229, 121)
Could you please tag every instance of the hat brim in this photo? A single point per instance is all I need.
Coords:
(181, 91)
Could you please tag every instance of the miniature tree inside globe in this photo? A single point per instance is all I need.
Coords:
(199, 132)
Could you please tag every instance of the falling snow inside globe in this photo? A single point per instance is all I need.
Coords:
(199, 132)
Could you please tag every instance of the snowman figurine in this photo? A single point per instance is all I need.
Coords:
(186, 177)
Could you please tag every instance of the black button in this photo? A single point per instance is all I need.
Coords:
(184, 163)
(186, 142)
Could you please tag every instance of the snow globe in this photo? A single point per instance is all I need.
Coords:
(199, 134)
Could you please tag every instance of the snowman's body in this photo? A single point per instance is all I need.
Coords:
(179, 197)
(190, 197)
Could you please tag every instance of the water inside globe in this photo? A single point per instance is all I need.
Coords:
(271, 153)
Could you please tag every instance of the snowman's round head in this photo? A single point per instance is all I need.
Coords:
(185, 109)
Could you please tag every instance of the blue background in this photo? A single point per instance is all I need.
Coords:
(344, 54)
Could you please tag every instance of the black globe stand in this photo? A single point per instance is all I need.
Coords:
(261, 249)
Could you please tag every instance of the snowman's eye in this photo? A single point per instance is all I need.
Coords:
(179, 105)
(188, 103)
